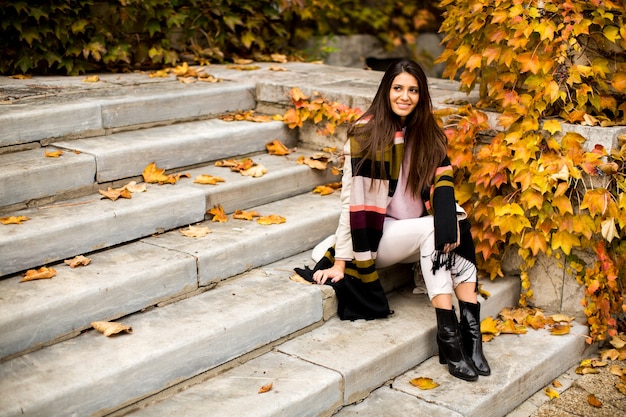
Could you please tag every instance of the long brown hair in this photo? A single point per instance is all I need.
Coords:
(424, 139)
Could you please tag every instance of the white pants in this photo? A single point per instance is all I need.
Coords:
(413, 240)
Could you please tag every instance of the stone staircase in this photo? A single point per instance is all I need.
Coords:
(214, 318)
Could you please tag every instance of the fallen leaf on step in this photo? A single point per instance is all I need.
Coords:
(609, 354)
(42, 273)
(276, 147)
(489, 326)
(115, 193)
(509, 327)
(248, 115)
(245, 215)
(21, 76)
(277, 68)
(195, 231)
(242, 61)
(556, 384)
(243, 67)
(484, 293)
(133, 187)
(13, 219)
(323, 190)
(593, 401)
(79, 260)
(618, 341)
(423, 383)
(616, 370)
(152, 174)
(91, 79)
(255, 171)
(279, 58)
(558, 318)
(621, 387)
(159, 74)
(552, 393)
(317, 161)
(271, 219)
(266, 388)
(53, 154)
(109, 328)
(218, 214)
(207, 179)
(560, 329)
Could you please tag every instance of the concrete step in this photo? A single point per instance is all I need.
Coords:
(521, 365)
(94, 111)
(29, 175)
(89, 223)
(94, 375)
(329, 367)
(156, 269)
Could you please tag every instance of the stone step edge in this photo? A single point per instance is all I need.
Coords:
(237, 192)
(322, 398)
(184, 266)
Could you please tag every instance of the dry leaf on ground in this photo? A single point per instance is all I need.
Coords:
(279, 58)
(298, 278)
(245, 215)
(276, 147)
(152, 174)
(560, 329)
(423, 383)
(552, 393)
(277, 68)
(271, 219)
(91, 79)
(115, 193)
(42, 273)
(79, 260)
(593, 401)
(13, 219)
(255, 171)
(53, 154)
(315, 161)
(248, 115)
(195, 231)
(266, 388)
(243, 67)
(218, 214)
(323, 190)
(109, 328)
(207, 179)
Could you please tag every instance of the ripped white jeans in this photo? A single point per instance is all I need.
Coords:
(413, 240)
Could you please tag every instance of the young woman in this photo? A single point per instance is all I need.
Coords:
(398, 206)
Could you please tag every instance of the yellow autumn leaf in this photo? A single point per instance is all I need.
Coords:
(560, 329)
(159, 74)
(195, 231)
(218, 214)
(153, 174)
(266, 388)
(313, 163)
(42, 273)
(243, 67)
(109, 328)
(552, 393)
(562, 318)
(489, 326)
(484, 293)
(245, 215)
(21, 76)
(279, 58)
(276, 147)
(277, 68)
(618, 341)
(133, 187)
(207, 179)
(91, 79)
(255, 171)
(79, 260)
(609, 230)
(13, 219)
(323, 190)
(115, 193)
(53, 154)
(423, 383)
(271, 219)
(208, 78)
(509, 327)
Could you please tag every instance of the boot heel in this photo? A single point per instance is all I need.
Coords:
(442, 359)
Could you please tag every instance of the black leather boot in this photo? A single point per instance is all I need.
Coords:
(451, 348)
(471, 336)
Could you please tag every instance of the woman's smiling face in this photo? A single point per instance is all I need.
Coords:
(404, 95)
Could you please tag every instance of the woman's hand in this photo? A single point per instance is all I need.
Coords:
(334, 273)
(449, 247)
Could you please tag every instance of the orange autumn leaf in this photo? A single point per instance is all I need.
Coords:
(207, 179)
(594, 401)
(276, 147)
(42, 273)
(509, 327)
(313, 162)
(79, 260)
(53, 154)
(13, 219)
(115, 193)
(255, 171)
(218, 214)
(489, 326)
(245, 215)
(323, 190)
(152, 174)
(266, 388)
(109, 328)
(423, 383)
(271, 219)
(560, 329)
